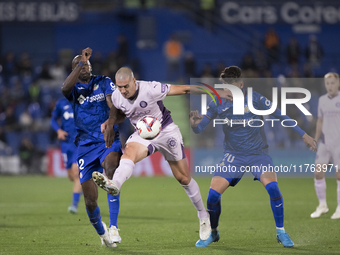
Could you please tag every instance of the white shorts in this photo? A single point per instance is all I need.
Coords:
(325, 153)
(169, 143)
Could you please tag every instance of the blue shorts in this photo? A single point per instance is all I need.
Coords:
(69, 152)
(233, 166)
(91, 156)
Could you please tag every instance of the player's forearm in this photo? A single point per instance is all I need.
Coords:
(71, 80)
(112, 117)
(190, 89)
(318, 129)
(281, 117)
(201, 126)
(54, 124)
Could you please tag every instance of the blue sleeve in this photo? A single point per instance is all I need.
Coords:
(109, 86)
(265, 104)
(56, 114)
(212, 110)
(202, 125)
(297, 129)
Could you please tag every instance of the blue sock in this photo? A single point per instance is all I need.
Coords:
(276, 202)
(113, 208)
(214, 207)
(75, 200)
(96, 220)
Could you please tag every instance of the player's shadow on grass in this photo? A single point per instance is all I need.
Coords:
(153, 218)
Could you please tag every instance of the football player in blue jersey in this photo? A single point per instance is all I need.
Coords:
(66, 134)
(243, 146)
(90, 97)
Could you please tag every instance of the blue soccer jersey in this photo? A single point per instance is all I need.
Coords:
(245, 143)
(63, 111)
(240, 137)
(90, 109)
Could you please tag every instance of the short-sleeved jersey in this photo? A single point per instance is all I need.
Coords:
(329, 111)
(63, 111)
(146, 101)
(90, 109)
(242, 138)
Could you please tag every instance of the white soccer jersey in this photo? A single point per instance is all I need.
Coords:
(329, 111)
(146, 101)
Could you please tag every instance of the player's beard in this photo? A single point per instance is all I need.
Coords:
(85, 78)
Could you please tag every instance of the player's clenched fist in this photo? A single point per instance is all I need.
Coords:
(86, 54)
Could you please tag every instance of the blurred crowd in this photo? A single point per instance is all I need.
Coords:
(28, 93)
(270, 65)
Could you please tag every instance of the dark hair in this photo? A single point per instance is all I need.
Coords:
(231, 74)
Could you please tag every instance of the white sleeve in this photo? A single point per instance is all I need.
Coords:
(320, 115)
(158, 90)
(114, 98)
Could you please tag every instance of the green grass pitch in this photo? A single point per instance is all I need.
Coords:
(156, 217)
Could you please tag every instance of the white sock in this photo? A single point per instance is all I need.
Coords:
(193, 192)
(338, 190)
(123, 172)
(320, 189)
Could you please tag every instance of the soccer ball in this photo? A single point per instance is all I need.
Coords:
(148, 127)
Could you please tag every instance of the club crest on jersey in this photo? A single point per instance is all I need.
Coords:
(337, 104)
(143, 104)
(95, 87)
(246, 109)
(172, 143)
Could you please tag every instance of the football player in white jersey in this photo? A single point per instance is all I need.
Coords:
(136, 99)
(328, 131)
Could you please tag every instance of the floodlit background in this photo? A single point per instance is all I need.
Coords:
(167, 41)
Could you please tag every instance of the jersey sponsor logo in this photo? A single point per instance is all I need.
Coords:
(81, 99)
(68, 115)
(66, 107)
(172, 142)
(97, 98)
(223, 110)
(79, 88)
(143, 104)
(140, 114)
(95, 87)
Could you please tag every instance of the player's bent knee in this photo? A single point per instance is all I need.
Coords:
(183, 180)
(70, 175)
(90, 204)
(319, 173)
(213, 197)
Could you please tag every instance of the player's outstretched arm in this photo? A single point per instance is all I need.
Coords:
(197, 90)
(73, 76)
